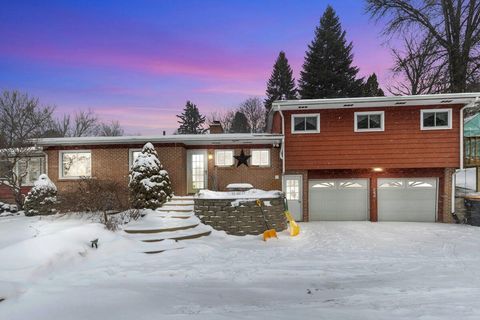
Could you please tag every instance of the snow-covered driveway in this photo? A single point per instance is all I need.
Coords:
(333, 270)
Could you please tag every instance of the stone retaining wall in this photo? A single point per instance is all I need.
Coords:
(242, 219)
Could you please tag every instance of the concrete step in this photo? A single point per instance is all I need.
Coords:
(180, 237)
(175, 209)
(159, 230)
(161, 250)
(185, 234)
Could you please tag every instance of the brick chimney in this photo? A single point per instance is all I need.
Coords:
(216, 127)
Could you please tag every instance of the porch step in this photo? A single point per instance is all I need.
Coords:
(175, 209)
(180, 238)
(161, 250)
(161, 229)
(177, 235)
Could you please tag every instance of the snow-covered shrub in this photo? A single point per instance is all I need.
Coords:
(42, 197)
(149, 185)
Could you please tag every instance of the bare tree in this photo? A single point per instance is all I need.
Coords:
(254, 110)
(85, 124)
(454, 24)
(420, 69)
(22, 118)
(225, 118)
(112, 129)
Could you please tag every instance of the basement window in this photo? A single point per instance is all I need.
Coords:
(75, 164)
(306, 123)
(369, 121)
(436, 119)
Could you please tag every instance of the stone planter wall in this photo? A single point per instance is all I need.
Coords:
(246, 218)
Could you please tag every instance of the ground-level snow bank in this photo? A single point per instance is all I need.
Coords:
(334, 270)
(44, 246)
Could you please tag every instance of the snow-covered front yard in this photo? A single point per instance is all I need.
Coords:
(341, 270)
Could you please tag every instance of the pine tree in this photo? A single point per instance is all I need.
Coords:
(371, 88)
(42, 198)
(191, 121)
(281, 83)
(327, 70)
(149, 185)
(240, 123)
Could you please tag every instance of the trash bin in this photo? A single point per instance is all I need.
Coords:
(472, 204)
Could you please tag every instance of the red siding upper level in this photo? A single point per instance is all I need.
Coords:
(401, 145)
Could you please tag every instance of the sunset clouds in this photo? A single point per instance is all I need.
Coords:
(139, 61)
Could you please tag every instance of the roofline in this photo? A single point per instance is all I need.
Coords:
(191, 139)
(360, 102)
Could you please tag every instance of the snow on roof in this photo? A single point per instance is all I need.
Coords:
(390, 101)
(188, 139)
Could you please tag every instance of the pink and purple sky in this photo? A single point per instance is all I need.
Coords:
(139, 61)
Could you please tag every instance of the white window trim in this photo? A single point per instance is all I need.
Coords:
(436, 128)
(303, 115)
(60, 164)
(269, 158)
(221, 165)
(364, 113)
(130, 156)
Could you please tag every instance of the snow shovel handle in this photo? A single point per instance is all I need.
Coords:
(259, 204)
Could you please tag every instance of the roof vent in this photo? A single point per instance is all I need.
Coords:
(400, 102)
(446, 101)
(303, 107)
(348, 105)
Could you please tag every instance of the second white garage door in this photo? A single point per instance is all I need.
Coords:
(412, 199)
(338, 199)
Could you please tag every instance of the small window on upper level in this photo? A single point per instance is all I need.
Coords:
(260, 157)
(369, 121)
(436, 119)
(306, 123)
(224, 158)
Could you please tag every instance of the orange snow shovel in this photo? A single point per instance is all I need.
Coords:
(269, 233)
(294, 227)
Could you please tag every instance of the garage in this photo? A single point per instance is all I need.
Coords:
(338, 200)
(407, 199)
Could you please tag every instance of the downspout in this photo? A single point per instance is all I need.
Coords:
(282, 147)
(470, 105)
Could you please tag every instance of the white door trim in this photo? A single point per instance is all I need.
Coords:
(191, 152)
(300, 178)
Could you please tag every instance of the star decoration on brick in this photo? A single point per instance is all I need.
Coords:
(242, 159)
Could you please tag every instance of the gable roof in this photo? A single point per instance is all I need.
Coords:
(187, 139)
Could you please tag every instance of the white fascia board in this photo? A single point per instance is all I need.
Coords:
(200, 139)
(367, 102)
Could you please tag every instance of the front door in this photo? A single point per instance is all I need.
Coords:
(197, 170)
(292, 186)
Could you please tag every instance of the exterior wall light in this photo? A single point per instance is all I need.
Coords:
(377, 169)
(210, 156)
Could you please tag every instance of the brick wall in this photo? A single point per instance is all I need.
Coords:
(113, 164)
(259, 177)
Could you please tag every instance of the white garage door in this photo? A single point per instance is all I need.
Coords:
(338, 199)
(412, 199)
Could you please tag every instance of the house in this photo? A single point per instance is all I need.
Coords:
(377, 159)
(203, 161)
(371, 158)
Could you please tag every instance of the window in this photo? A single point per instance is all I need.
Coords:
(132, 156)
(28, 169)
(434, 119)
(306, 123)
(260, 157)
(369, 121)
(224, 158)
(75, 164)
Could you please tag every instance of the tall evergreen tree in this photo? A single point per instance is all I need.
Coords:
(327, 70)
(371, 88)
(240, 123)
(191, 121)
(281, 83)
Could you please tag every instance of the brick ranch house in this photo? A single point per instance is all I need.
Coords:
(373, 158)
